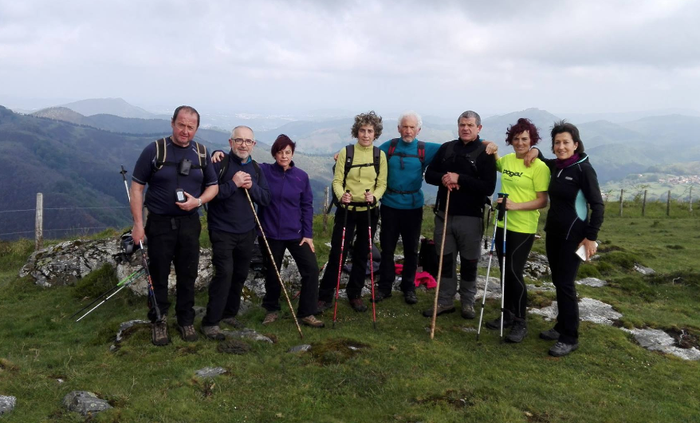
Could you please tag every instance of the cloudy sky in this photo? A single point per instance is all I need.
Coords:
(293, 57)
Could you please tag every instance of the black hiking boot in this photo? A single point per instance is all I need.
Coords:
(561, 349)
(358, 305)
(410, 297)
(468, 311)
(495, 324)
(518, 332)
(441, 309)
(323, 306)
(379, 296)
(550, 335)
(188, 333)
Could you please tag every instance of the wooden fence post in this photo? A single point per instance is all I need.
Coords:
(690, 200)
(39, 222)
(668, 204)
(644, 203)
(622, 192)
(325, 209)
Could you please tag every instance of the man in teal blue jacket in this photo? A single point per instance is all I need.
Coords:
(402, 204)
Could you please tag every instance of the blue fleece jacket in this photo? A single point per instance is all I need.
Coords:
(289, 215)
(230, 210)
(406, 174)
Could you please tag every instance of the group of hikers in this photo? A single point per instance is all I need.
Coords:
(182, 176)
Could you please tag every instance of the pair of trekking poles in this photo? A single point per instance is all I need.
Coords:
(371, 261)
(502, 215)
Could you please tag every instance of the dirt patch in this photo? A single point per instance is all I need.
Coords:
(233, 346)
(684, 337)
(453, 398)
(7, 365)
(336, 350)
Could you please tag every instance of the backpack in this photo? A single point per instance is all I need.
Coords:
(161, 156)
(392, 149)
(349, 157)
(224, 168)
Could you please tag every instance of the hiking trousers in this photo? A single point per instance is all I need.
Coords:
(231, 255)
(173, 239)
(357, 223)
(395, 223)
(463, 237)
(564, 263)
(308, 269)
(518, 247)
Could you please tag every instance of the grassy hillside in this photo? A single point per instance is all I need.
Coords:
(398, 374)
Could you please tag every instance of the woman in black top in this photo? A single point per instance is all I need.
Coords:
(573, 189)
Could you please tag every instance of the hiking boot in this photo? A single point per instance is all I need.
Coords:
(232, 321)
(495, 324)
(441, 309)
(550, 335)
(468, 311)
(270, 317)
(323, 306)
(159, 332)
(518, 332)
(312, 321)
(188, 333)
(561, 349)
(410, 297)
(213, 332)
(379, 296)
(358, 305)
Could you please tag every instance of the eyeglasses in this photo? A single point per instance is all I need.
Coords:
(247, 142)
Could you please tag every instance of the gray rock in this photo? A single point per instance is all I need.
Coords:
(300, 348)
(589, 310)
(494, 288)
(128, 325)
(247, 334)
(537, 266)
(7, 404)
(85, 403)
(643, 270)
(209, 372)
(545, 287)
(658, 340)
(592, 282)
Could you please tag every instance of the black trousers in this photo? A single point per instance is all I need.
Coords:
(407, 224)
(358, 222)
(173, 240)
(564, 264)
(308, 269)
(231, 255)
(518, 246)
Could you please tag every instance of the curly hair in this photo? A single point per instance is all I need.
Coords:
(520, 127)
(281, 143)
(370, 118)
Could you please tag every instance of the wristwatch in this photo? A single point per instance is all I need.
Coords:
(199, 202)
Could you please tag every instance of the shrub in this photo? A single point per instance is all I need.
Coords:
(588, 270)
(97, 282)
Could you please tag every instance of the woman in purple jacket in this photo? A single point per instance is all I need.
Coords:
(288, 225)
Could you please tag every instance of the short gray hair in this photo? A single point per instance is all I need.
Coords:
(243, 126)
(411, 113)
(470, 114)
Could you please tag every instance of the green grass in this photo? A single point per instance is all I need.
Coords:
(399, 374)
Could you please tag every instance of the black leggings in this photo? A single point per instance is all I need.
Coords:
(518, 247)
(564, 264)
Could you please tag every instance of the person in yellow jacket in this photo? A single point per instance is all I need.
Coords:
(359, 182)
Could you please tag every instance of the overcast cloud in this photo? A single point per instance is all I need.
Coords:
(291, 57)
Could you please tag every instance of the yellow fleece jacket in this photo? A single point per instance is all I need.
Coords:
(360, 178)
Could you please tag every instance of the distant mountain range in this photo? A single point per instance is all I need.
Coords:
(111, 106)
(74, 158)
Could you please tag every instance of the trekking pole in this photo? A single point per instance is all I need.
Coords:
(503, 214)
(274, 265)
(122, 284)
(371, 262)
(340, 261)
(123, 172)
(151, 291)
(488, 272)
(439, 275)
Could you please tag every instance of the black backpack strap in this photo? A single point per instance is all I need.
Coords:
(377, 163)
(161, 153)
(349, 157)
(224, 168)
